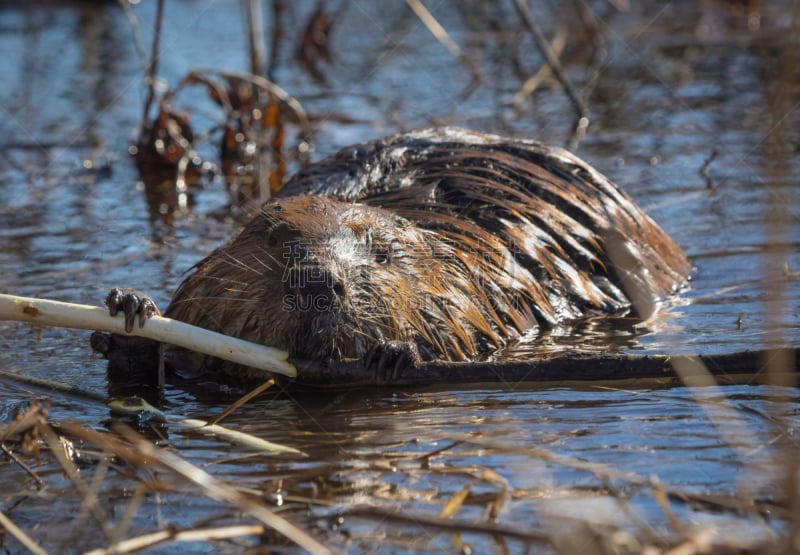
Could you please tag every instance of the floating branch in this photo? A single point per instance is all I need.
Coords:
(67, 315)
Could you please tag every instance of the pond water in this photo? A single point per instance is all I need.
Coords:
(695, 111)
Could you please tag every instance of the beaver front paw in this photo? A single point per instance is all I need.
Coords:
(388, 359)
(131, 304)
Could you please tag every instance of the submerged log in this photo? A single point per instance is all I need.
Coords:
(572, 368)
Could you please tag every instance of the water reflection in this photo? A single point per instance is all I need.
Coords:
(679, 80)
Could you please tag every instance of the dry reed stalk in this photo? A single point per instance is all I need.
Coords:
(214, 489)
(161, 537)
(448, 524)
(152, 67)
(443, 37)
(57, 447)
(23, 538)
(241, 401)
(137, 405)
(20, 463)
(532, 83)
(551, 59)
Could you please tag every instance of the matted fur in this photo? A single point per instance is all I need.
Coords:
(450, 240)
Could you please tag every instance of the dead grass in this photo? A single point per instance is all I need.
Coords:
(116, 490)
(353, 507)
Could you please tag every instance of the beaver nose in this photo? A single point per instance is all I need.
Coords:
(312, 280)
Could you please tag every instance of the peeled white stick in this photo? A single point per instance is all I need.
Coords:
(67, 315)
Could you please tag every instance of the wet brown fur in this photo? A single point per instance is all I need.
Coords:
(449, 241)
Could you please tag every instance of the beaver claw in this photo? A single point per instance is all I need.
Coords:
(389, 359)
(131, 304)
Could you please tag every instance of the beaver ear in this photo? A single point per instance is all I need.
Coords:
(272, 205)
(269, 214)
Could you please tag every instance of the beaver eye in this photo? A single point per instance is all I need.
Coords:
(382, 255)
(387, 252)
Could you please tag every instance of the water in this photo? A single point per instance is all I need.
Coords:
(679, 82)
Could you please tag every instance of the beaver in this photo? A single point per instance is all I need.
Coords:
(436, 245)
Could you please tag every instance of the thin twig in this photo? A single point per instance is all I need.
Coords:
(163, 536)
(538, 37)
(599, 48)
(443, 37)
(453, 504)
(241, 401)
(89, 502)
(19, 462)
(125, 520)
(254, 27)
(533, 82)
(56, 446)
(134, 24)
(430, 521)
(215, 489)
(52, 386)
(152, 69)
(662, 500)
(704, 168)
(23, 538)
(241, 438)
(278, 9)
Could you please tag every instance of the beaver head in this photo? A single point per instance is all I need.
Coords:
(331, 282)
